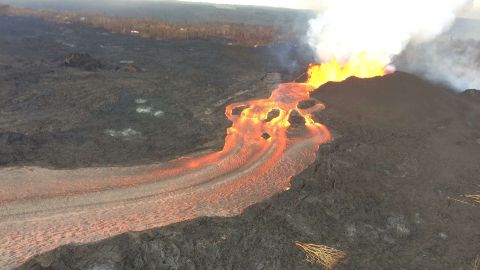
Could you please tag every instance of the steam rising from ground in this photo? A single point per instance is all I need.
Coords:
(451, 61)
(380, 28)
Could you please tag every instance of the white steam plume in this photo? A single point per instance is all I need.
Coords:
(450, 61)
(380, 28)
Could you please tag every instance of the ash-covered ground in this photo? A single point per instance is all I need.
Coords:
(387, 190)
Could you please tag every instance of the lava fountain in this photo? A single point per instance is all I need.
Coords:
(270, 141)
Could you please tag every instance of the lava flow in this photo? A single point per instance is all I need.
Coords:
(270, 141)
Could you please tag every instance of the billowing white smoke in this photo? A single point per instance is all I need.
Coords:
(380, 28)
(450, 61)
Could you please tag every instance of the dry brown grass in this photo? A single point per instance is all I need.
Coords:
(474, 198)
(476, 263)
(326, 256)
(470, 199)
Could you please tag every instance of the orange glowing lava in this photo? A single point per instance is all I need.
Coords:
(360, 66)
(41, 209)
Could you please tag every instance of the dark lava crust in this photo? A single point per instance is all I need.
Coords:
(73, 96)
(383, 191)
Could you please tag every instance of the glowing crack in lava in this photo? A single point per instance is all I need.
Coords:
(270, 141)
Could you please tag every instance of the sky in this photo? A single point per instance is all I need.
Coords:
(310, 4)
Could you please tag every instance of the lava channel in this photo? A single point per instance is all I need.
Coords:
(41, 209)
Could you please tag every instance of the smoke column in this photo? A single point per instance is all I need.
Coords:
(380, 28)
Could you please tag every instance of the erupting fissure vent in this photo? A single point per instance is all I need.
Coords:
(279, 112)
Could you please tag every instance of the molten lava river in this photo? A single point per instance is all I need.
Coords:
(270, 141)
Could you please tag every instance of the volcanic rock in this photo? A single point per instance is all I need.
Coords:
(274, 113)
(319, 117)
(296, 119)
(305, 104)
(472, 93)
(132, 69)
(366, 100)
(8, 138)
(66, 112)
(82, 60)
(272, 79)
(238, 110)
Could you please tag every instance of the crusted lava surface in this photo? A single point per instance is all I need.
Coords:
(387, 190)
(73, 96)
